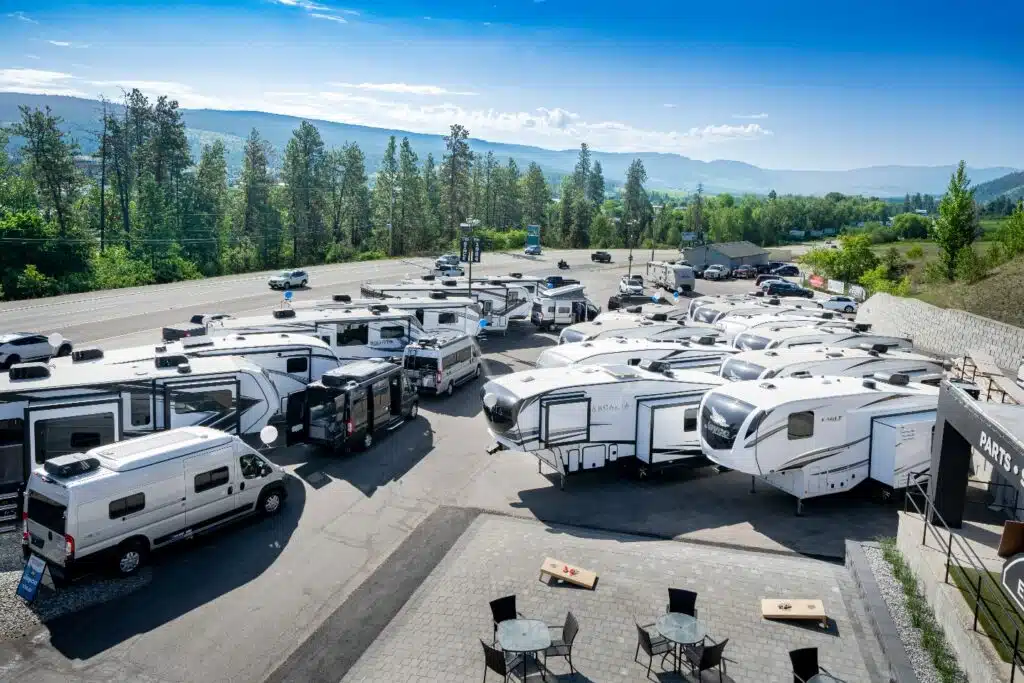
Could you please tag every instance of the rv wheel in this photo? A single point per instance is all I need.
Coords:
(131, 556)
(476, 373)
(451, 388)
(367, 441)
(414, 410)
(270, 502)
(848, 309)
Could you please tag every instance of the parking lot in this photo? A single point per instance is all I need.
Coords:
(239, 605)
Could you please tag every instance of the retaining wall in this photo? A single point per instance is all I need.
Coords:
(944, 331)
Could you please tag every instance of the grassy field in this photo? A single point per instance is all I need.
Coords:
(1000, 296)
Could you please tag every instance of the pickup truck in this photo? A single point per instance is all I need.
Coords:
(601, 257)
(553, 281)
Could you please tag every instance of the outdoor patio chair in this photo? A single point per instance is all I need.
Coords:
(805, 664)
(707, 654)
(562, 647)
(682, 601)
(653, 646)
(503, 609)
(499, 662)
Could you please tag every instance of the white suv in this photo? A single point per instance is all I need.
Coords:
(288, 279)
(716, 272)
(22, 347)
(631, 285)
(845, 304)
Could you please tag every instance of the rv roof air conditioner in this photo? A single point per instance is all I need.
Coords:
(24, 371)
(377, 309)
(870, 383)
(758, 293)
(192, 342)
(439, 295)
(897, 379)
(766, 385)
(342, 298)
(705, 340)
(802, 374)
(162, 348)
(71, 465)
(284, 313)
(634, 309)
(772, 302)
(170, 361)
(82, 355)
(826, 315)
(659, 317)
(834, 354)
(428, 278)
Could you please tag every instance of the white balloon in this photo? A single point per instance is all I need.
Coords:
(268, 434)
(55, 340)
(490, 400)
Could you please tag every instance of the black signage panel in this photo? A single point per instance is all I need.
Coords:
(464, 250)
(984, 436)
(476, 250)
(1013, 579)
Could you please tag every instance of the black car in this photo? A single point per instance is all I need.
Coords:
(601, 257)
(698, 271)
(787, 271)
(553, 281)
(786, 288)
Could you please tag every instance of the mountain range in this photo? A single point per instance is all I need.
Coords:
(665, 171)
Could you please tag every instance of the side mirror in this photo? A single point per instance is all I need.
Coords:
(265, 471)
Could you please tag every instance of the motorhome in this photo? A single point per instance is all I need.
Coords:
(697, 353)
(498, 303)
(562, 306)
(435, 312)
(655, 326)
(814, 436)
(439, 364)
(776, 337)
(675, 277)
(734, 325)
(829, 360)
(715, 311)
(375, 331)
(114, 504)
(586, 417)
(52, 410)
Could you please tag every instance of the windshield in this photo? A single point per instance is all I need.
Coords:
(737, 370)
(751, 342)
(284, 273)
(721, 418)
(504, 410)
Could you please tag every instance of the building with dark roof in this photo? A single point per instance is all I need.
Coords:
(728, 254)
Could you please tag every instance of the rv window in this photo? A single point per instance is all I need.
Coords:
(487, 307)
(564, 310)
(737, 370)
(446, 319)
(801, 425)
(212, 479)
(420, 363)
(141, 415)
(12, 435)
(59, 435)
(85, 440)
(122, 507)
(353, 335)
(207, 402)
(690, 420)
(297, 365)
(392, 332)
(46, 512)
(634, 361)
(250, 466)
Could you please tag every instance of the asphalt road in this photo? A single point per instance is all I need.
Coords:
(264, 597)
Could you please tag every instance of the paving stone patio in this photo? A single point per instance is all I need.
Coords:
(435, 637)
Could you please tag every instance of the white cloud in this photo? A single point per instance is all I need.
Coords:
(329, 17)
(669, 106)
(32, 56)
(67, 43)
(307, 5)
(762, 115)
(184, 94)
(401, 88)
(38, 82)
(21, 16)
(319, 11)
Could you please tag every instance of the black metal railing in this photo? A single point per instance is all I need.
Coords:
(958, 551)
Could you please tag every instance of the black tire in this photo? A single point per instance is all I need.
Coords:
(64, 350)
(367, 442)
(848, 309)
(304, 283)
(414, 410)
(451, 389)
(11, 362)
(270, 501)
(130, 558)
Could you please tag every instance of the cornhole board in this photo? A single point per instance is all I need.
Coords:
(790, 608)
(555, 569)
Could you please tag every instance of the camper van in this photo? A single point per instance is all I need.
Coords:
(828, 360)
(52, 410)
(697, 353)
(376, 331)
(562, 306)
(586, 417)
(435, 312)
(112, 505)
(675, 277)
(776, 337)
(359, 402)
(498, 303)
(813, 436)
(439, 364)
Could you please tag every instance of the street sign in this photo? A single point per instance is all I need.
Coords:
(30, 578)
(288, 294)
(689, 237)
(476, 250)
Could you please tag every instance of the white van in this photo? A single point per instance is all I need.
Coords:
(116, 503)
(439, 364)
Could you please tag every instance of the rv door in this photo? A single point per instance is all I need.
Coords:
(72, 429)
(564, 421)
(295, 416)
(666, 429)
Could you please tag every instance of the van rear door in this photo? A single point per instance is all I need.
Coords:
(46, 509)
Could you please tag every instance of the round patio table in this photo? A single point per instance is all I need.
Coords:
(681, 629)
(525, 637)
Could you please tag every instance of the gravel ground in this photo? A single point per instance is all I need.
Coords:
(892, 592)
(18, 618)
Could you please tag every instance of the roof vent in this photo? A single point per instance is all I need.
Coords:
(428, 278)
(439, 295)
(766, 385)
(634, 309)
(862, 327)
(834, 354)
(827, 315)
(170, 361)
(284, 313)
(162, 348)
(343, 298)
(516, 274)
(377, 309)
(658, 366)
(802, 374)
(659, 317)
(706, 340)
(771, 353)
(772, 302)
(184, 369)
(870, 383)
(191, 342)
(879, 348)
(897, 379)
(82, 355)
(758, 293)
(71, 465)
(24, 371)
(449, 283)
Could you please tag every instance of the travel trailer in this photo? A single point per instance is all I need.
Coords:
(828, 335)
(435, 312)
(655, 326)
(114, 504)
(562, 306)
(733, 325)
(531, 284)
(52, 410)
(376, 331)
(441, 363)
(498, 303)
(675, 277)
(713, 312)
(828, 360)
(586, 417)
(697, 353)
(813, 436)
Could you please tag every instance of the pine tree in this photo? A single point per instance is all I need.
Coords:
(957, 224)
(385, 188)
(357, 197)
(411, 234)
(581, 174)
(536, 195)
(636, 207)
(304, 175)
(256, 226)
(51, 162)
(432, 215)
(455, 169)
(595, 186)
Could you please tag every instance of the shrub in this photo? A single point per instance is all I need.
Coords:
(240, 258)
(995, 256)
(33, 284)
(970, 267)
(374, 255)
(115, 268)
(175, 268)
(915, 252)
(935, 272)
(339, 252)
(877, 280)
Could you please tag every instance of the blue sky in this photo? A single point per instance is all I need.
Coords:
(807, 85)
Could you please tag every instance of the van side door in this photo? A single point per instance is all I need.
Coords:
(251, 469)
(210, 488)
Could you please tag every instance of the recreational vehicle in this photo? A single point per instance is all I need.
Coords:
(675, 277)
(828, 360)
(583, 418)
(531, 284)
(699, 353)
(52, 410)
(813, 436)
(734, 325)
(828, 335)
(435, 312)
(439, 364)
(562, 306)
(713, 312)
(114, 504)
(710, 300)
(656, 326)
(497, 302)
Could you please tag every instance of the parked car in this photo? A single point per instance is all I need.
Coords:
(845, 304)
(761, 279)
(532, 250)
(601, 257)
(288, 279)
(786, 288)
(698, 271)
(451, 271)
(446, 261)
(744, 271)
(716, 272)
(22, 347)
(628, 285)
(787, 271)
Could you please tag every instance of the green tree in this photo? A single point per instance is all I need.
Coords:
(536, 195)
(432, 215)
(636, 207)
(382, 201)
(207, 218)
(411, 233)
(1011, 234)
(50, 158)
(595, 185)
(581, 173)
(304, 176)
(911, 226)
(957, 224)
(602, 232)
(357, 197)
(454, 180)
(259, 227)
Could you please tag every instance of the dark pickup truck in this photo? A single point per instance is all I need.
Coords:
(553, 281)
(601, 257)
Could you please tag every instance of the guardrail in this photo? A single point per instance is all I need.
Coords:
(958, 552)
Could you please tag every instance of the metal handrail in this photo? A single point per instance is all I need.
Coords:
(927, 515)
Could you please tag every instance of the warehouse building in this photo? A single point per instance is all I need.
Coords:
(728, 254)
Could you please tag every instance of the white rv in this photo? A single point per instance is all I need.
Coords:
(713, 312)
(562, 306)
(582, 418)
(701, 353)
(776, 337)
(531, 284)
(52, 410)
(711, 300)
(675, 277)
(645, 312)
(114, 504)
(655, 326)
(497, 302)
(828, 360)
(813, 436)
(734, 325)
(435, 312)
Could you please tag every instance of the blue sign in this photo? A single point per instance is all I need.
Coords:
(30, 578)
(288, 294)
(483, 323)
